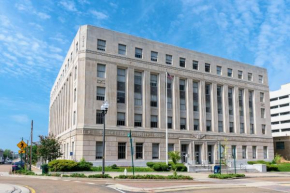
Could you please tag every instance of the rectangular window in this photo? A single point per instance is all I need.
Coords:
(138, 120)
(254, 152)
(208, 125)
(138, 89)
(219, 99)
(75, 95)
(240, 74)
(195, 96)
(230, 72)
(250, 77)
(121, 82)
(242, 128)
(263, 129)
(261, 97)
(154, 56)
(138, 53)
(262, 113)
(196, 125)
(76, 72)
(232, 129)
(265, 152)
(252, 129)
(153, 90)
(168, 59)
(244, 152)
(99, 150)
(182, 124)
(122, 49)
(195, 65)
(241, 102)
(208, 98)
(170, 147)
(77, 47)
(230, 100)
(251, 108)
(220, 126)
(101, 71)
(169, 123)
(99, 117)
(139, 150)
(122, 150)
(169, 93)
(219, 70)
(273, 99)
(207, 67)
(101, 45)
(284, 105)
(182, 94)
(261, 79)
(155, 151)
(284, 97)
(280, 145)
(121, 119)
(182, 62)
(74, 118)
(154, 121)
(101, 93)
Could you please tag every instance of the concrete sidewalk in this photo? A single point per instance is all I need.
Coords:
(11, 188)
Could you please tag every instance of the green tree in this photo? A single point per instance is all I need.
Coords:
(175, 157)
(49, 148)
(34, 153)
(7, 154)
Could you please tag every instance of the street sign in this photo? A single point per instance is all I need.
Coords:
(21, 151)
(22, 145)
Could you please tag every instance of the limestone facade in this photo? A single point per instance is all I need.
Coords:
(131, 71)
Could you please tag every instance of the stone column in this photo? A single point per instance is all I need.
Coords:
(176, 104)
(236, 109)
(189, 105)
(111, 93)
(256, 100)
(146, 99)
(130, 98)
(214, 112)
(226, 109)
(162, 101)
(193, 153)
(201, 106)
(247, 111)
(204, 153)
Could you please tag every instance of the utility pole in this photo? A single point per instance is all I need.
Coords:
(31, 135)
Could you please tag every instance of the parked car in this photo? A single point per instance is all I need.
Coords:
(17, 166)
(8, 162)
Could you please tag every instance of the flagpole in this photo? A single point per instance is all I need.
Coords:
(166, 135)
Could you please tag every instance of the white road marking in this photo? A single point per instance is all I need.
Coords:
(76, 181)
(66, 180)
(90, 183)
(117, 190)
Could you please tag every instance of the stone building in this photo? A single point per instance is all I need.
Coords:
(211, 100)
(280, 120)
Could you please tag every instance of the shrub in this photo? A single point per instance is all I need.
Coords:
(258, 162)
(114, 166)
(277, 159)
(83, 166)
(161, 167)
(272, 168)
(180, 167)
(225, 176)
(150, 164)
(24, 172)
(65, 175)
(77, 175)
(62, 165)
(99, 176)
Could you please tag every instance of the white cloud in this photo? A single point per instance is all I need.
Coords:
(68, 5)
(43, 15)
(26, 6)
(20, 118)
(36, 26)
(99, 15)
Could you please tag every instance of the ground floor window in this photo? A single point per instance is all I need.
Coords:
(254, 152)
(121, 150)
(155, 151)
(280, 145)
(234, 152)
(244, 152)
(265, 152)
(139, 150)
(99, 150)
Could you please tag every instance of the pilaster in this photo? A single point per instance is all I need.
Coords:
(189, 105)
(130, 98)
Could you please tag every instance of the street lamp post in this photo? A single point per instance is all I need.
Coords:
(104, 109)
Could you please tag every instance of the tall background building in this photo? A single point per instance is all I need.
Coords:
(280, 120)
(210, 100)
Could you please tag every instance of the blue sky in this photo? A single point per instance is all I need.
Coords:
(35, 36)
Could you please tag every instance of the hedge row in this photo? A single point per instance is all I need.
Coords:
(162, 166)
(77, 175)
(170, 177)
(69, 165)
(270, 166)
(226, 176)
